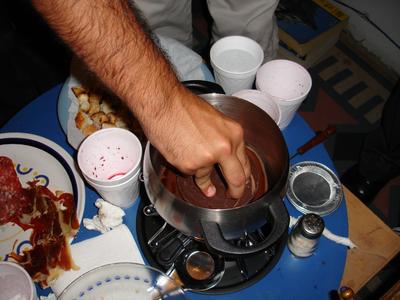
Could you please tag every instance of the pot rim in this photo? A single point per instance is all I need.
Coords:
(280, 183)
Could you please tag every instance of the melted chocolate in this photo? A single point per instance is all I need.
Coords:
(185, 188)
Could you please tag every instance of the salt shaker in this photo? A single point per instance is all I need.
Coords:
(303, 239)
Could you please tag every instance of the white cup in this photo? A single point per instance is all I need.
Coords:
(15, 282)
(122, 195)
(287, 82)
(263, 101)
(235, 60)
(109, 160)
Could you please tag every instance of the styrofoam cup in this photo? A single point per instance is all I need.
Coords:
(287, 82)
(109, 157)
(261, 100)
(15, 282)
(235, 60)
(122, 195)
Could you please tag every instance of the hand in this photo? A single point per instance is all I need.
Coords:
(193, 136)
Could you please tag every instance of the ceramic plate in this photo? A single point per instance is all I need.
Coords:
(123, 281)
(64, 101)
(37, 158)
(67, 96)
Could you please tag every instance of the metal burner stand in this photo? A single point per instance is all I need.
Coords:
(168, 249)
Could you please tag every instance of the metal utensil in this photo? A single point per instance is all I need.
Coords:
(316, 140)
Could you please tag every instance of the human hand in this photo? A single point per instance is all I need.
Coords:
(193, 136)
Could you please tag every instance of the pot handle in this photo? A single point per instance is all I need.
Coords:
(199, 87)
(215, 240)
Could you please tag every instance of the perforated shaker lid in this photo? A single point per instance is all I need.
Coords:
(312, 225)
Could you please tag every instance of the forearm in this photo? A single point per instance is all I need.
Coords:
(187, 131)
(107, 36)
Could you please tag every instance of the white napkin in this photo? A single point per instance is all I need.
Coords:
(185, 61)
(113, 246)
(108, 217)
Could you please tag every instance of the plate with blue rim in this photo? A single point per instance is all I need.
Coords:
(36, 158)
(123, 281)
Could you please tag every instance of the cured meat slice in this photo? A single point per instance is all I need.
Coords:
(13, 198)
(52, 218)
(54, 222)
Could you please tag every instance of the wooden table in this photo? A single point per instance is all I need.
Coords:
(376, 244)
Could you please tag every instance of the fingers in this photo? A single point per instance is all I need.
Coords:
(234, 175)
(203, 181)
(244, 160)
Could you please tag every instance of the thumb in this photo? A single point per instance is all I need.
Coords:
(202, 178)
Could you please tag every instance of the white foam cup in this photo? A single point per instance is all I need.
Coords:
(110, 156)
(261, 100)
(235, 61)
(15, 282)
(288, 83)
(122, 195)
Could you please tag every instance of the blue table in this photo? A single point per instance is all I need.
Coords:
(291, 278)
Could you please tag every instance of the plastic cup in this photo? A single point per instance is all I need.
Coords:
(288, 83)
(15, 282)
(235, 60)
(109, 160)
(122, 195)
(261, 100)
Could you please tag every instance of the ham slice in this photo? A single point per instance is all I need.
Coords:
(52, 218)
(14, 200)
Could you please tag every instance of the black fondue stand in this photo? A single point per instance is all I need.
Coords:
(290, 278)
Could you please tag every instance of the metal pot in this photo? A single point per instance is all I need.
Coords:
(218, 226)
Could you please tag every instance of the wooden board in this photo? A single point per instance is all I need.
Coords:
(376, 244)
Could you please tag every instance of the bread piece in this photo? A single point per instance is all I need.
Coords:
(107, 125)
(84, 106)
(100, 118)
(78, 90)
(106, 106)
(112, 117)
(88, 130)
(82, 120)
(94, 101)
(121, 123)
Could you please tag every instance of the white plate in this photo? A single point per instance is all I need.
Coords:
(37, 158)
(64, 101)
(66, 96)
(123, 281)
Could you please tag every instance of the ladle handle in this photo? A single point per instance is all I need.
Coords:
(215, 240)
(317, 139)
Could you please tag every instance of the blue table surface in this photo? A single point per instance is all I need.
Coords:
(291, 278)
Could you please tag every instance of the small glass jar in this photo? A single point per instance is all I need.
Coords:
(303, 239)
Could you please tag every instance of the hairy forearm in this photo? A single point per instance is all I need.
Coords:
(107, 36)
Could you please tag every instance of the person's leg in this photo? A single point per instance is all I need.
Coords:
(169, 18)
(380, 155)
(379, 160)
(254, 19)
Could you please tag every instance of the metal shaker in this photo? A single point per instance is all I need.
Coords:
(303, 239)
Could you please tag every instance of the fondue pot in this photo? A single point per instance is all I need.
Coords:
(217, 227)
